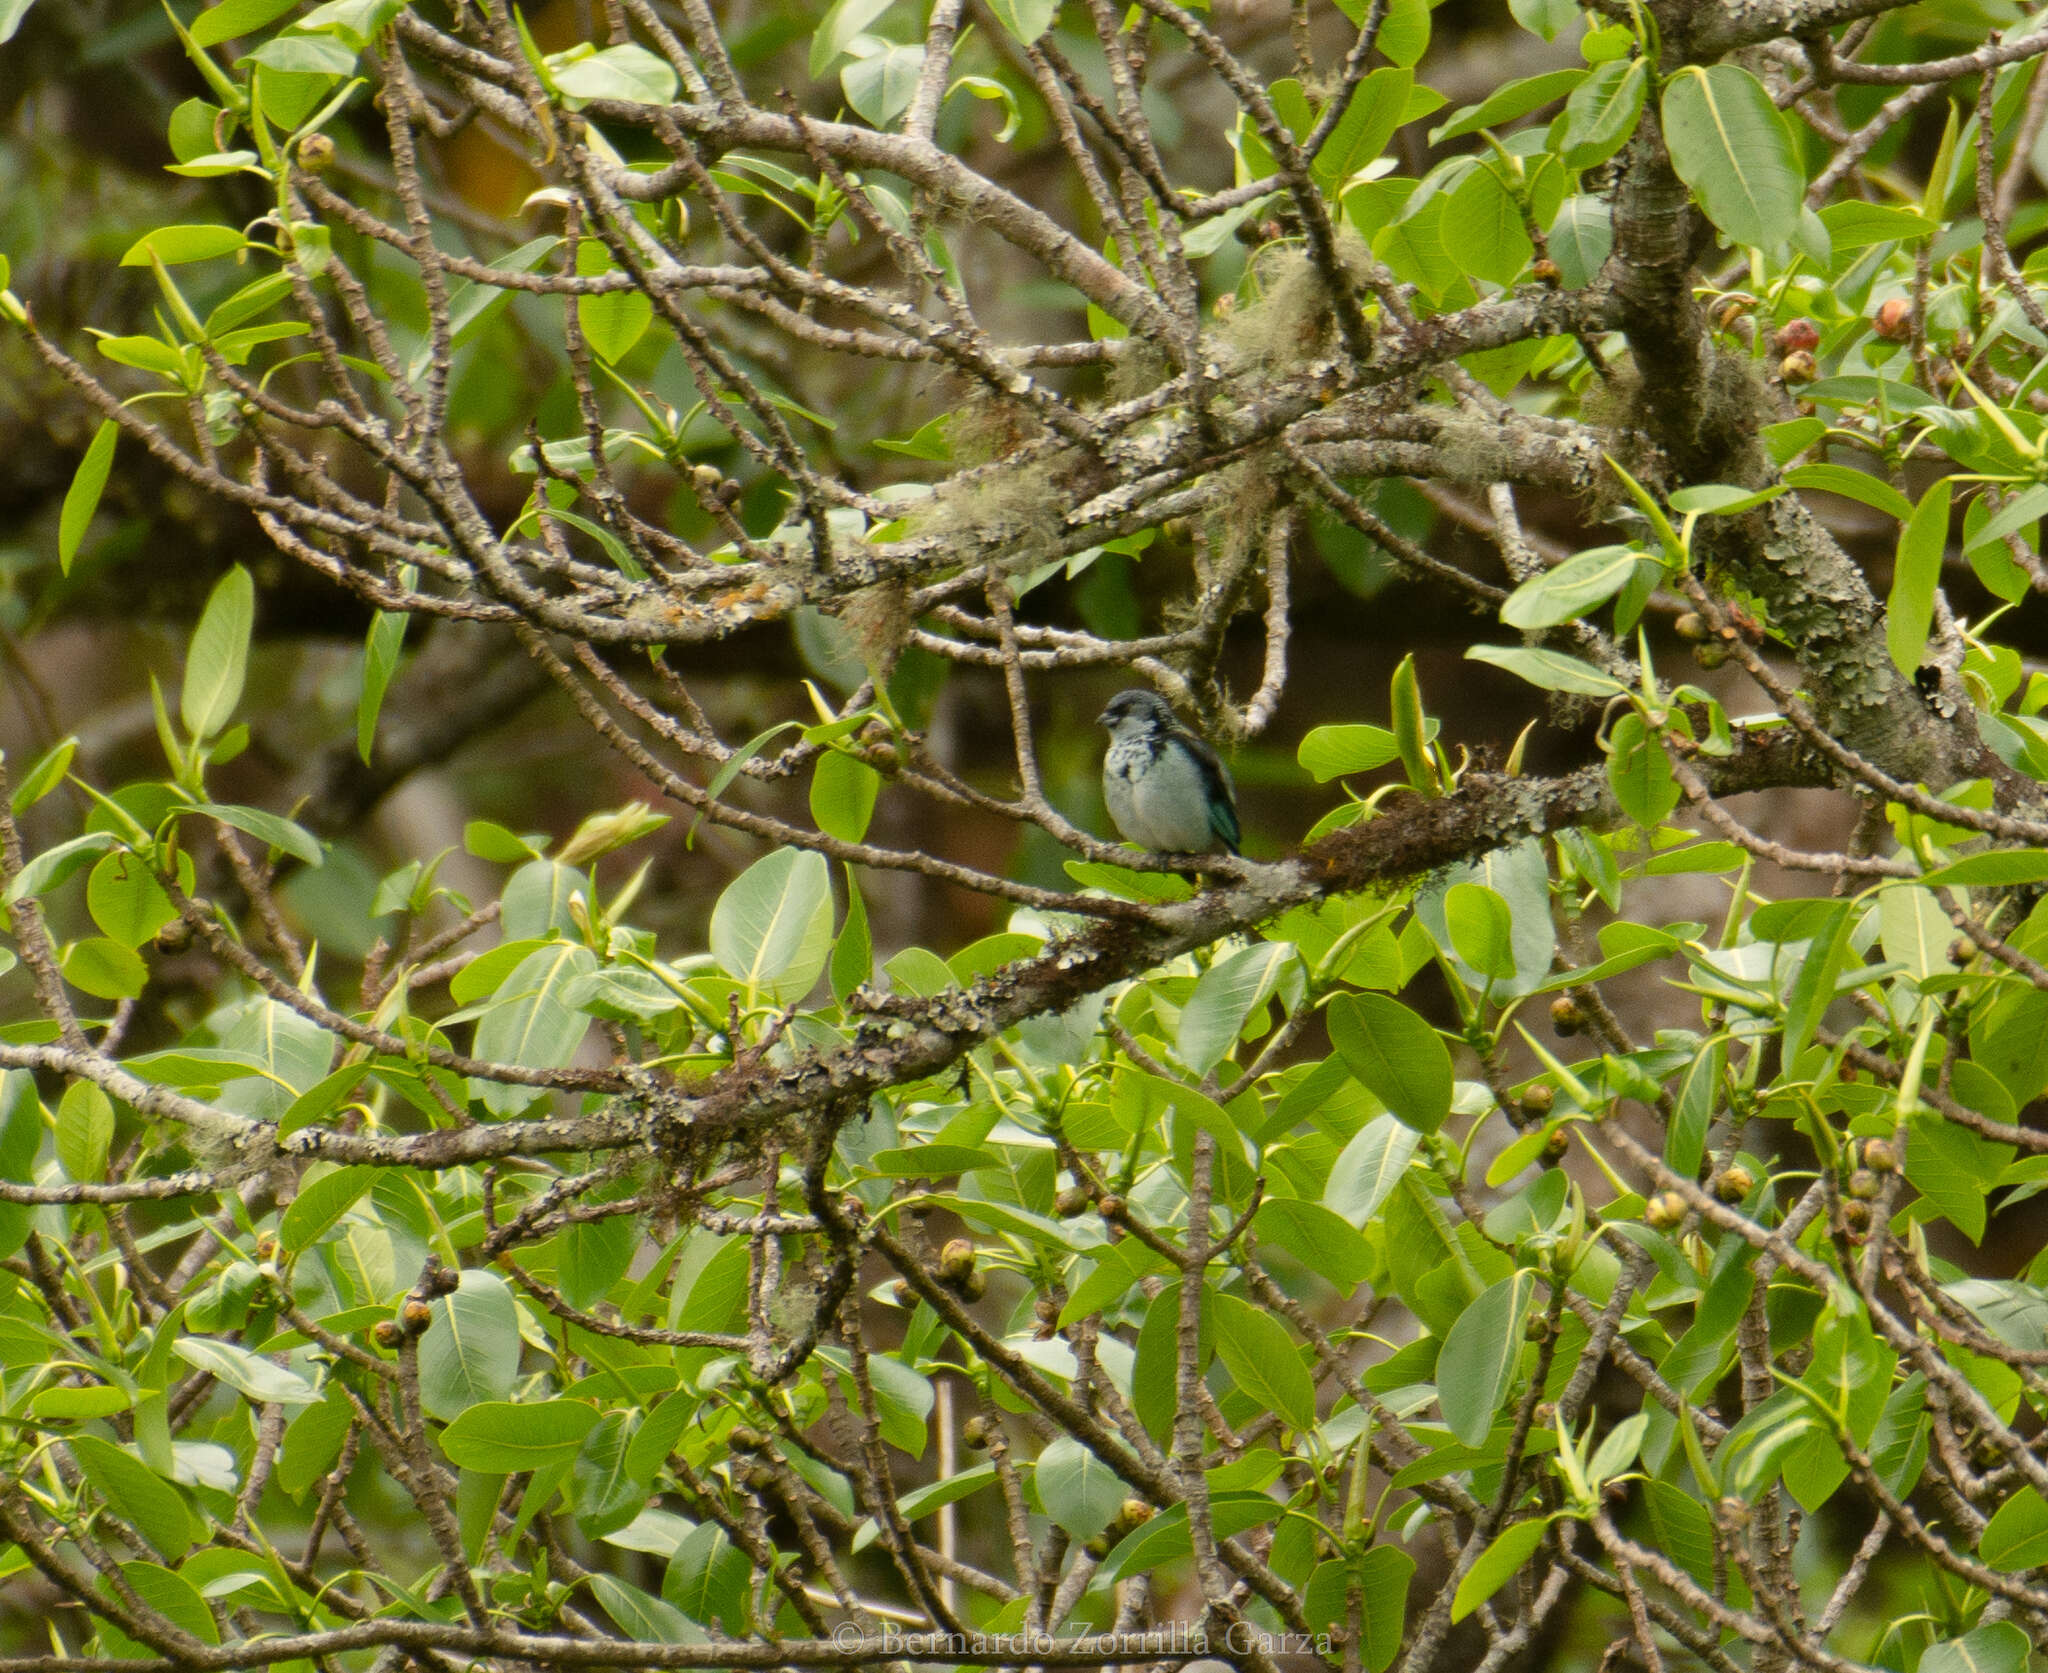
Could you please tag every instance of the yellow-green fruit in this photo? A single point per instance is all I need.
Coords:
(1665, 1210)
(1734, 1184)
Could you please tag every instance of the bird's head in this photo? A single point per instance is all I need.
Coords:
(1135, 714)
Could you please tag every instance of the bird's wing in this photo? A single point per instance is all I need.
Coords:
(1221, 792)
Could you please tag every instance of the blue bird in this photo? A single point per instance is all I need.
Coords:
(1165, 787)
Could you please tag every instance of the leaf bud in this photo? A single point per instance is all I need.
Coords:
(1664, 1211)
(1893, 320)
(1733, 1184)
(1110, 1207)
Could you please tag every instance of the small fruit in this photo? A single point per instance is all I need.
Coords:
(1795, 335)
(1856, 1215)
(1711, 655)
(1070, 1202)
(974, 1433)
(1879, 1157)
(1567, 1016)
(1537, 1100)
(1692, 627)
(416, 1315)
(1733, 1184)
(1545, 271)
(1098, 1547)
(316, 153)
(974, 1286)
(956, 1260)
(1558, 1145)
(1798, 367)
(1110, 1207)
(1133, 1513)
(706, 478)
(1665, 1211)
(1893, 320)
(729, 492)
(1537, 1329)
(1863, 1184)
(744, 1438)
(1961, 950)
(388, 1333)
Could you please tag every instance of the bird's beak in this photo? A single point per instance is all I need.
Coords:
(1103, 718)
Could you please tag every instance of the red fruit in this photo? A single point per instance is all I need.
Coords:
(1797, 334)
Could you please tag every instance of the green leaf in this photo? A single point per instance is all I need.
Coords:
(709, 1579)
(1581, 237)
(1548, 18)
(127, 903)
(611, 321)
(236, 17)
(1916, 574)
(1640, 774)
(175, 245)
(853, 954)
(1263, 1361)
(1730, 145)
(1998, 868)
(1551, 670)
(1998, 1648)
(1378, 108)
(11, 14)
(266, 828)
(1329, 752)
(1322, 1241)
(380, 661)
(246, 1373)
(105, 969)
(1164, 1538)
(43, 777)
(772, 927)
(531, 1023)
(1497, 1565)
(320, 1205)
(1483, 227)
(1482, 927)
(82, 498)
(2016, 1538)
(1476, 1368)
(1228, 993)
(846, 19)
(843, 791)
(1603, 112)
(470, 1352)
(218, 661)
(504, 1437)
(1571, 589)
(136, 1494)
(302, 55)
(53, 865)
(1025, 19)
(1368, 1168)
(1851, 484)
(1505, 103)
(880, 87)
(1954, 1170)
(639, 1616)
(85, 1128)
(1080, 1492)
(1395, 1055)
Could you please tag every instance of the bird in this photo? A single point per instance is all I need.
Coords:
(1165, 787)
